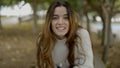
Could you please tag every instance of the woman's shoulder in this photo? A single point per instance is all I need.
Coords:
(84, 36)
(82, 31)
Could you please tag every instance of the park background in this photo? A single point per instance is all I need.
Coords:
(22, 20)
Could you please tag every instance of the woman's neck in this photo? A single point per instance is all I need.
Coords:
(60, 38)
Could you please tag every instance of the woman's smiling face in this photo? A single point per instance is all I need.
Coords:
(60, 22)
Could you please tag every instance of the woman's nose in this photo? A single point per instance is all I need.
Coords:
(60, 20)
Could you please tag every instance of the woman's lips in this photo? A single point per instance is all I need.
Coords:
(60, 28)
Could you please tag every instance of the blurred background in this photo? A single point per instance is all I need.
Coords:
(22, 20)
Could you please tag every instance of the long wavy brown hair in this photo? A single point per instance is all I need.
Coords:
(46, 39)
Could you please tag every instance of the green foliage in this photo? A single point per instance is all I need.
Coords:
(117, 4)
(76, 4)
(8, 2)
(95, 2)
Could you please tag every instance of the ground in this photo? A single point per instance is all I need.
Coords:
(113, 54)
(18, 48)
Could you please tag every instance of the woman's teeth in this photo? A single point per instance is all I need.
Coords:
(60, 28)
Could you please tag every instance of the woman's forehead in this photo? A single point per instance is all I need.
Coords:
(60, 10)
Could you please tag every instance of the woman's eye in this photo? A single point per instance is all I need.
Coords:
(65, 17)
(54, 18)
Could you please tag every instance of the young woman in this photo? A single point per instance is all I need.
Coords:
(63, 43)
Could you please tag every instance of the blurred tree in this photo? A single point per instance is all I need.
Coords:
(6, 3)
(83, 9)
(37, 5)
(86, 10)
(34, 5)
(106, 10)
(20, 5)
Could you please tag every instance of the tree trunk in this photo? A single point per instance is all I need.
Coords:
(0, 22)
(35, 26)
(81, 14)
(103, 30)
(19, 17)
(0, 19)
(88, 21)
(20, 20)
(107, 34)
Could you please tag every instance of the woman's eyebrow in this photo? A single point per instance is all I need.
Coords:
(55, 15)
(58, 15)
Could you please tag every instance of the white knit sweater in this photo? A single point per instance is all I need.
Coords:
(60, 52)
